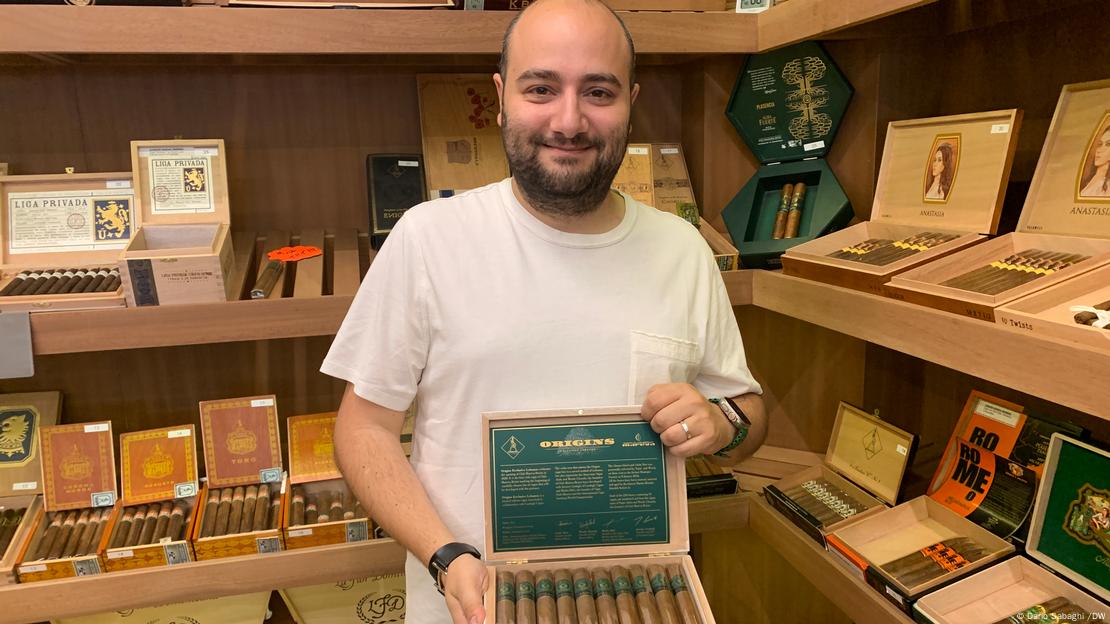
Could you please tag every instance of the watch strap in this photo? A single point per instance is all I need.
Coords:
(442, 558)
(737, 417)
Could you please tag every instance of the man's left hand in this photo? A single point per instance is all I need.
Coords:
(687, 423)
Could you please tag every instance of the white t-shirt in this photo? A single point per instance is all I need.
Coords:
(474, 305)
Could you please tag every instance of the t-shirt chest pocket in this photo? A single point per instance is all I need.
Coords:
(659, 359)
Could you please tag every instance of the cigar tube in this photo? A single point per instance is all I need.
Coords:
(324, 508)
(780, 215)
(111, 283)
(626, 602)
(1036, 612)
(208, 521)
(794, 217)
(74, 535)
(275, 512)
(682, 596)
(525, 598)
(16, 283)
(246, 520)
(162, 528)
(546, 612)
(177, 522)
(645, 600)
(150, 522)
(661, 587)
(605, 599)
(564, 598)
(336, 511)
(262, 507)
(223, 511)
(85, 534)
(584, 597)
(296, 518)
(49, 536)
(267, 279)
(311, 514)
(506, 598)
(235, 517)
(97, 281)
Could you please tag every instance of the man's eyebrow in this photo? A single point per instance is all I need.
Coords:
(609, 79)
(538, 74)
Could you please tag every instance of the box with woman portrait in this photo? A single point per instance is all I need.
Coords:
(1063, 231)
(940, 189)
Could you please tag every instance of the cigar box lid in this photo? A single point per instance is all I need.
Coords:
(947, 173)
(67, 217)
(21, 417)
(580, 483)
(312, 448)
(869, 452)
(787, 104)
(158, 464)
(242, 443)
(181, 181)
(78, 466)
(1070, 528)
(1070, 191)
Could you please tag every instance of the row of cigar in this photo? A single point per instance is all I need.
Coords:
(700, 466)
(789, 215)
(149, 524)
(824, 501)
(1090, 318)
(884, 251)
(1058, 609)
(934, 561)
(240, 509)
(617, 595)
(71, 534)
(9, 522)
(323, 507)
(1013, 271)
(62, 281)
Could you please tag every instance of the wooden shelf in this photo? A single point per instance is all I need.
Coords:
(801, 20)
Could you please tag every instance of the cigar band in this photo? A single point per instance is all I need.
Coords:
(525, 590)
(945, 557)
(583, 587)
(621, 585)
(506, 591)
(564, 588)
(545, 588)
(678, 584)
(639, 585)
(604, 587)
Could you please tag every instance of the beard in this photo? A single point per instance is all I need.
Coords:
(572, 189)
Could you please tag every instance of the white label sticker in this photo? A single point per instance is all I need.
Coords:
(179, 433)
(668, 150)
(179, 151)
(121, 554)
(407, 163)
(997, 413)
(27, 569)
(300, 532)
(809, 147)
(1000, 128)
(901, 449)
(113, 184)
(638, 151)
(97, 428)
(262, 403)
(26, 485)
(283, 487)
(895, 595)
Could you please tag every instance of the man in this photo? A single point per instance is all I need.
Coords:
(545, 290)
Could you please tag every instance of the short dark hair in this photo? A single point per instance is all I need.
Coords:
(504, 62)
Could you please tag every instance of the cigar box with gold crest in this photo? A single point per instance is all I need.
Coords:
(79, 484)
(1069, 540)
(861, 475)
(183, 251)
(372, 600)
(940, 190)
(60, 240)
(242, 455)
(21, 416)
(321, 509)
(1063, 231)
(586, 515)
(150, 525)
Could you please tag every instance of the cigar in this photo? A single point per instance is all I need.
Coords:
(49, 536)
(131, 538)
(1089, 318)
(359, 511)
(645, 600)
(525, 598)
(74, 536)
(72, 282)
(794, 216)
(854, 252)
(33, 282)
(682, 596)
(626, 603)
(1037, 612)
(584, 597)
(246, 520)
(163, 524)
(275, 512)
(17, 283)
(98, 532)
(223, 512)
(177, 522)
(780, 215)
(57, 285)
(150, 522)
(336, 511)
(111, 284)
(661, 587)
(84, 282)
(235, 517)
(506, 598)
(44, 282)
(546, 611)
(564, 598)
(349, 505)
(605, 599)
(208, 522)
(310, 512)
(325, 508)
(297, 515)
(267, 279)
(97, 281)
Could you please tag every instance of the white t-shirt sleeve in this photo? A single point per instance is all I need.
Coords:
(724, 367)
(382, 346)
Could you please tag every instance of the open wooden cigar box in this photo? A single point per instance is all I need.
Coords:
(151, 524)
(940, 189)
(242, 454)
(64, 232)
(576, 497)
(1077, 310)
(862, 450)
(79, 484)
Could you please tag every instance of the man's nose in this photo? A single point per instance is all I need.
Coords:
(569, 119)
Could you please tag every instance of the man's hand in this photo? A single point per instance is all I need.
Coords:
(465, 586)
(668, 406)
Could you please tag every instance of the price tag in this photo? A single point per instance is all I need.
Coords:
(294, 253)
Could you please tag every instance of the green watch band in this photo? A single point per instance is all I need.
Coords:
(736, 416)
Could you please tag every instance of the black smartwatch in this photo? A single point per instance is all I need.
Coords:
(443, 557)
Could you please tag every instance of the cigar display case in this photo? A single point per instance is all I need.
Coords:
(321, 509)
(1069, 540)
(1076, 310)
(861, 474)
(587, 516)
(79, 490)
(60, 240)
(940, 190)
(242, 455)
(150, 526)
(1062, 233)
(787, 106)
(374, 599)
(183, 252)
(21, 486)
(914, 548)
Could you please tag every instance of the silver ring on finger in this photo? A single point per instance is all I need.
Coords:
(686, 430)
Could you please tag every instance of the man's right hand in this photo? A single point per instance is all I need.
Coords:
(465, 586)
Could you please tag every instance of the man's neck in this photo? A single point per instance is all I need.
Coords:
(601, 219)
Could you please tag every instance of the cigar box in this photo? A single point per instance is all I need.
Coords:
(241, 609)
(787, 106)
(634, 178)
(242, 448)
(395, 183)
(1051, 312)
(866, 460)
(64, 221)
(704, 478)
(156, 466)
(956, 201)
(458, 127)
(910, 527)
(79, 478)
(377, 599)
(313, 473)
(1069, 540)
(1063, 215)
(21, 416)
(583, 488)
(183, 251)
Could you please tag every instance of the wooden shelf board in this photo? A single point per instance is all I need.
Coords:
(857, 599)
(801, 20)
